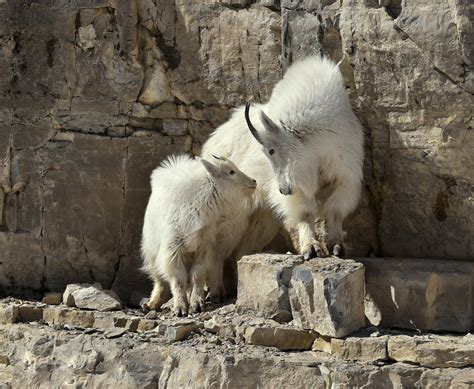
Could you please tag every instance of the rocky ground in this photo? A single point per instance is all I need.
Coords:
(294, 323)
(58, 346)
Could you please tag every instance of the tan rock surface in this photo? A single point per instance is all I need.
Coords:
(433, 351)
(263, 284)
(327, 295)
(97, 86)
(420, 294)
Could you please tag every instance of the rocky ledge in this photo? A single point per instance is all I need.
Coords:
(223, 347)
(294, 324)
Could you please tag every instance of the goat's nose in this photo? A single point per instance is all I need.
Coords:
(285, 191)
(254, 181)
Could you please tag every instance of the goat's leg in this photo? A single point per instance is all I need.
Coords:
(335, 209)
(160, 294)
(309, 245)
(215, 281)
(335, 234)
(198, 294)
(178, 278)
(300, 216)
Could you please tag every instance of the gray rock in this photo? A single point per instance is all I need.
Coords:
(29, 312)
(282, 337)
(432, 351)
(145, 325)
(66, 316)
(370, 349)
(106, 82)
(52, 298)
(8, 313)
(181, 329)
(63, 357)
(263, 284)
(88, 296)
(419, 294)
(327, 295)
(115, 333)
(151, 315)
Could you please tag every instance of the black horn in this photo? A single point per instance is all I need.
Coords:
(252, 129)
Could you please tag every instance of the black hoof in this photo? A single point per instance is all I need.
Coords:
(338, 250)
(311, 253)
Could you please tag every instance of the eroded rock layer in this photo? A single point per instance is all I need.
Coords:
(95, 94)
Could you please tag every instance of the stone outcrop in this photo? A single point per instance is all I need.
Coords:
(327, 295)
(263, 284)
(98, 93)
(433, 351)
(420, 294)
(69, 346)
(324, 294)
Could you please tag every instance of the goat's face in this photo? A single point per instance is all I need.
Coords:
(228, 176)
(279, 146)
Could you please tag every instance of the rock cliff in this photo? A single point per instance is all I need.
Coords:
(95, 93)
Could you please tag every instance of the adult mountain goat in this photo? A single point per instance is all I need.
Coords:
(180, 228)
(305, 149)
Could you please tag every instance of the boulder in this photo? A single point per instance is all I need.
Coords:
(283, 337)
(327, 295)
(263, 284)
(86, 296)
(420, 294)
(52, 298)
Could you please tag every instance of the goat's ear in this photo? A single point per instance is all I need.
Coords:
(268, 123)
(219, 158)
(212, 169)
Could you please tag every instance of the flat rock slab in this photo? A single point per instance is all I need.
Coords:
(180, 330)
(65, 316)
(263, 284)
(420, 294)
(327, 295)
(370, 349)
(87, 296)
(53, 298)
(284, 338)
(433, 351)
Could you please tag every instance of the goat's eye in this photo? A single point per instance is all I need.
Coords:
(271, 151)
(231, 172)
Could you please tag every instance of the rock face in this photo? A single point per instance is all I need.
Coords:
(99, 349)
(324, 294)
(327, 295)
(420, 294)
(263, 284)
(431, 352)
(98, 93)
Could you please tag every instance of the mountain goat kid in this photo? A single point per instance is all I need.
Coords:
(305, 148)
(180, 227)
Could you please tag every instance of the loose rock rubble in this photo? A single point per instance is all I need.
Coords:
(221, 345)
(321, 300)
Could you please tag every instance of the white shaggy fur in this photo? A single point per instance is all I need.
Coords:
(179, 231)
(318, 157)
